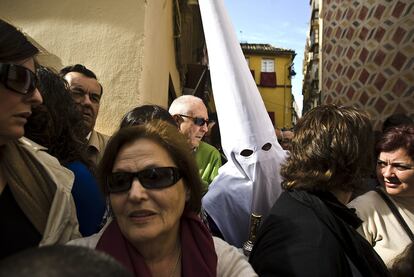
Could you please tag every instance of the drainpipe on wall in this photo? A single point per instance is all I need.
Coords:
(285, 77)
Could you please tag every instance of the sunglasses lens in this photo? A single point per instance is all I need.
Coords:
(20, 79)
(153, 178)
(200, 121)
(159, 177)
(120, 181)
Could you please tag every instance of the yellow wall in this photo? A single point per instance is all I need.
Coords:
(159, 53)
(274, 98)
(128, 44)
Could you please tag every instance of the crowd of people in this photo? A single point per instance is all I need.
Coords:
(154, 199)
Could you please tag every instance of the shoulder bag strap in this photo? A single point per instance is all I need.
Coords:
(396, 213)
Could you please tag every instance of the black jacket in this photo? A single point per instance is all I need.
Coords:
(313, 234)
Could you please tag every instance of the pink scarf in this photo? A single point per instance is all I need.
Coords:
(198, 253)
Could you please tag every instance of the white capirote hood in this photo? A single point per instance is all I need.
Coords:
(250, 181)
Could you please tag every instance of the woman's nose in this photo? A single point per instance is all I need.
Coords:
(137, 192)
(35, 98)
(388, 171)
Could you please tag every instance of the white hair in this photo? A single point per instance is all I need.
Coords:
(184, 104)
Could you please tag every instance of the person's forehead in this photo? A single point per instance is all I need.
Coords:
(143, 152)
(396, 154)
(198, 110)
(78, 79)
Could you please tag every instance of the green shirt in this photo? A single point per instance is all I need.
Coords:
(208, 160)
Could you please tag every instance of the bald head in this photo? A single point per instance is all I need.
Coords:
(185, 109)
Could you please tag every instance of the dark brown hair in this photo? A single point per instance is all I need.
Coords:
(14, 45)
(142, 114)
(57, 124)
(331, 149)
(170, 139)
(401, 136)
(404, 263)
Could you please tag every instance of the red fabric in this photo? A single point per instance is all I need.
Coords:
(268, 79)
(198, 253)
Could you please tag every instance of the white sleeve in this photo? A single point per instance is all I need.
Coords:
(89, 242)
(231, 261)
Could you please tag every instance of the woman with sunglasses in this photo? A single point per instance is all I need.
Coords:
(388, 211)
(155, 195)
(36, 207)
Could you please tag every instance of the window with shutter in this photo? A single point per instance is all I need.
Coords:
(268, 74)
(268, 65)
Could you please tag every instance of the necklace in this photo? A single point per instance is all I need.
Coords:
(177, 262)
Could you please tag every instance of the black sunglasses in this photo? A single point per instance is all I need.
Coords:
(18, 78)
(197, 120)
(152, 178)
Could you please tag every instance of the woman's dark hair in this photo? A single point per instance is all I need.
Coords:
(396, 120)
(401, 136)
(57, 124)
(14, 45)
(170, 139)
(403, 264)
(330, 150)
(146, 113)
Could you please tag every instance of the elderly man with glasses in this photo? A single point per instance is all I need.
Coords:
(192, 119)
(86, 91)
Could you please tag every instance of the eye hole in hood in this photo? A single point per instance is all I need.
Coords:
(267, 146)
(246, 152)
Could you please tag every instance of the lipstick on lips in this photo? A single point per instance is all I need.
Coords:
(141, 216)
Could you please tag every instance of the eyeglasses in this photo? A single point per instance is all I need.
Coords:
(153, 178)
(78, 94)
(18, 78)
(398, 166)
(199, 121)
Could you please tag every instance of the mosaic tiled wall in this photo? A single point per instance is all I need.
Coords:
(368, 56)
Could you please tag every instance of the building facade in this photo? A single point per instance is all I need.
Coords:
(367, 56)
(272, 70)
(140, 50)
(311, 87)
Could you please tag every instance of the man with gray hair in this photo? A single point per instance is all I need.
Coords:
(192, 119)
